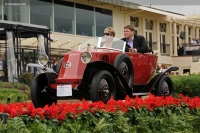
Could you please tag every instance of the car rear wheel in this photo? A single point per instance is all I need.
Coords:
(41, 93)
(124, 65)
(102, 87)
(58, 66)
(164, 87)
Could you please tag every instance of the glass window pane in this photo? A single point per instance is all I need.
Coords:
(103, 19)
(64, 17)
(15, 10)
(41, 12)
(135, 32)
(84, 20)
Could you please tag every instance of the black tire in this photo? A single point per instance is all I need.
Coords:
(58, 66)
(124, 65)
(164, 87)
(102, 87)
(41, 93)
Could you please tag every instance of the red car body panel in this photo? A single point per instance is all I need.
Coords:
(74, 73)
(144, 65)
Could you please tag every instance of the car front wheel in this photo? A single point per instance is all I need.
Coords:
(41, 93)
(102, 87)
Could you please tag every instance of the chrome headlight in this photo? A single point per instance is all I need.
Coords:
(86, 57)
(43, 59)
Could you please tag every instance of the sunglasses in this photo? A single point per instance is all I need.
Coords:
(107, 34)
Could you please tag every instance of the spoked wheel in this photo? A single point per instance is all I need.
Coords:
(124, 65)
(102, 87)
(41, 93)
(164, 87)
(123, 69)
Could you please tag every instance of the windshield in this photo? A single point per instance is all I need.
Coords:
(105, 42)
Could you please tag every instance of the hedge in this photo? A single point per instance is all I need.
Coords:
(187, 85)
(183, 84)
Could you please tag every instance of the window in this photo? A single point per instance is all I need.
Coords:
(134, 21)
(149, 24)
(195, 32)
(1, 9)
(189, 31)
(74, 18)
(163, 43)
(149, 38)
(41, 12)
(177, 29)
(189, 34)
(103, 19)
(163, 27)
(186, 71)
(64, 17)
(173, 45)
(84, 20)
(178, 41)
(199, 33)
(135, 32)
(15, 10)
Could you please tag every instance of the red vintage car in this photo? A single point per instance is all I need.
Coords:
(99, 70)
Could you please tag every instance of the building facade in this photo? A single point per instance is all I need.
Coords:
(74, 21)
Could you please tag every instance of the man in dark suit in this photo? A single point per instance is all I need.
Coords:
(134, 43)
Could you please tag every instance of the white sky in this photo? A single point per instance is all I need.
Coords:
(187, 7)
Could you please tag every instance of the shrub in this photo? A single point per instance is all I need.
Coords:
(187, 85)
(26, 78)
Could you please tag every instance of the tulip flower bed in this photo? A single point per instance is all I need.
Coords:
(152, 114)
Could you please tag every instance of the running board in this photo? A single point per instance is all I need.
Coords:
(141, 94)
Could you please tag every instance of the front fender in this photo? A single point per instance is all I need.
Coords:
(93, 67)
(51, 75)
(155, 79)
(35, 65)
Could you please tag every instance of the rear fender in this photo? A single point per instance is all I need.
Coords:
(93, 67)
(155, 79)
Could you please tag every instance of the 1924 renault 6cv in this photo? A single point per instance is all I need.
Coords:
(99, 70)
